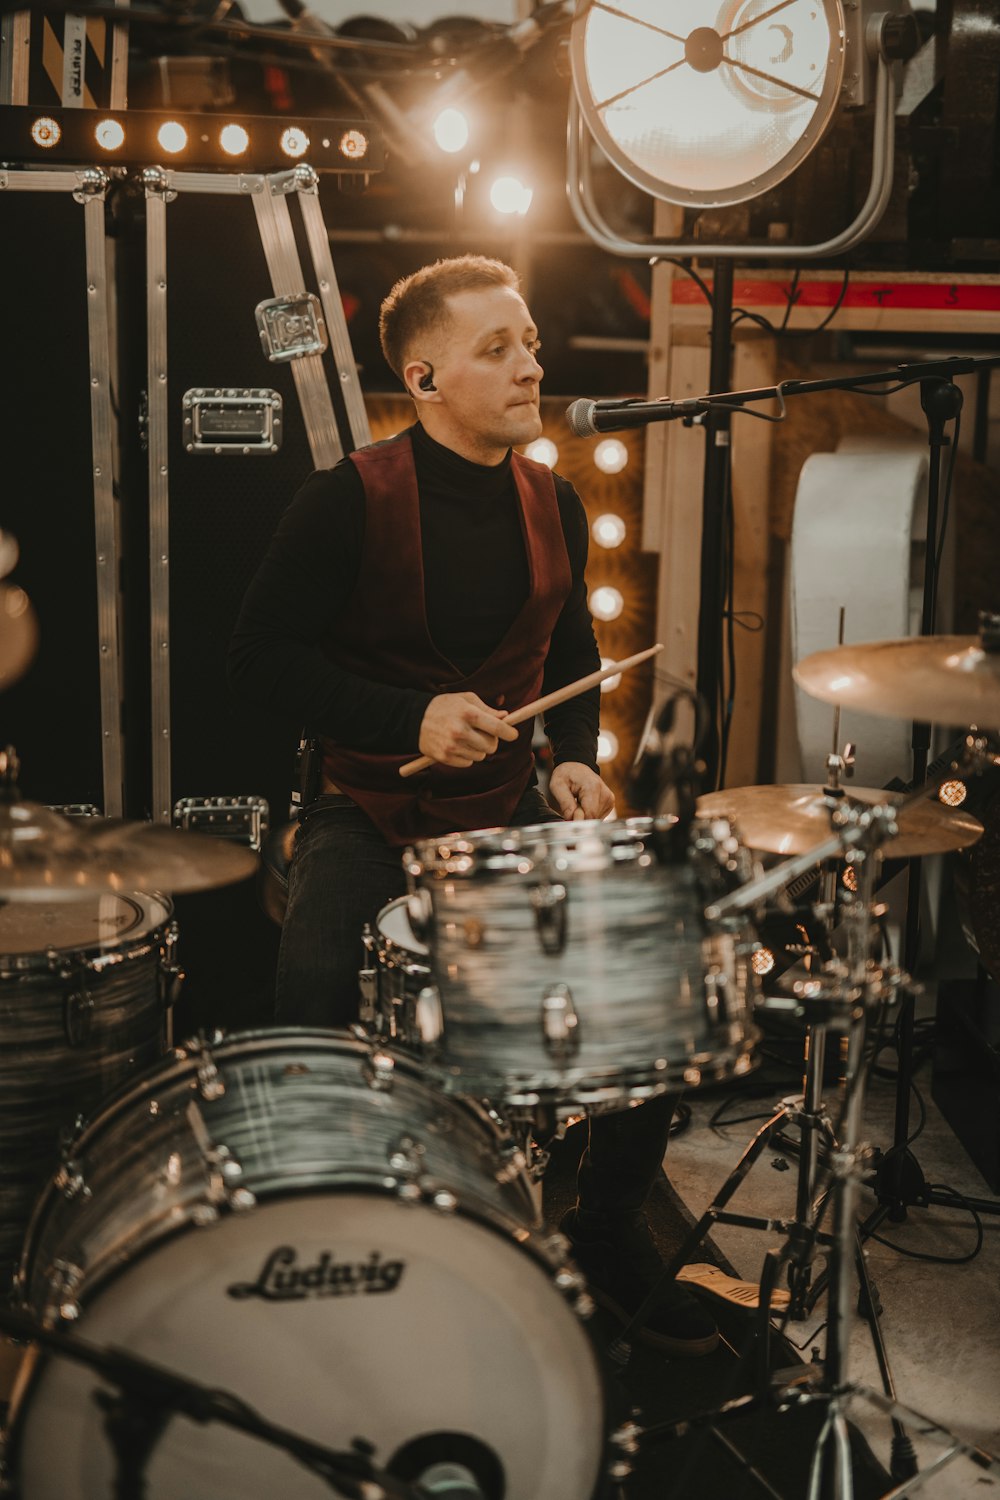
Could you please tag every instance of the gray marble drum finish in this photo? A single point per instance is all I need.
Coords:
(660, 998)
(257, 1116)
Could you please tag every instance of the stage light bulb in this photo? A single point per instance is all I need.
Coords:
(509, 195)
(451, 130)
(172, 137)
(611, 456)
(110, 134)
(233, 139)
(952, 793)
(608, 531)
(294, 142)
(606, 603)
(544, 451)
(353, 144)
(607, 747)
(762, 961)
(610, 683)
(46, 132)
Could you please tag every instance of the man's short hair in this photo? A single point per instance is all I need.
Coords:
(417, 304)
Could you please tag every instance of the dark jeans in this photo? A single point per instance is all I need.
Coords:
(342, 874)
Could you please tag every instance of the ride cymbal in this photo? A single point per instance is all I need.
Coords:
(45, 856)
(936, 679)
(792, 819)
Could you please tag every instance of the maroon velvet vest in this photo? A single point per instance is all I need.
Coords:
(384, 636)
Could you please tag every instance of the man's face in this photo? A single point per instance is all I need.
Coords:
(486, 376)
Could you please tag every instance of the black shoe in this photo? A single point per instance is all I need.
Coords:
(622, 1264)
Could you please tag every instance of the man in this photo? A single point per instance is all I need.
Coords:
(412, 597)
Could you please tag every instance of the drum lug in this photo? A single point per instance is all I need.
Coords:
(64, 1283)
(222, 1169)
(70, 1181)
(419, 908)
(550, 908)
(379, 1071)
(211, 1085)
(716, 995)
(172, 976)
(406, 1156)
(428, 1015)
(78, 1008)
(560, 1023)
(624, 1443)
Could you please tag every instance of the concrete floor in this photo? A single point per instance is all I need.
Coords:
(941, 1323)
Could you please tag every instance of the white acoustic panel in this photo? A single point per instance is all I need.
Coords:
(857, 542)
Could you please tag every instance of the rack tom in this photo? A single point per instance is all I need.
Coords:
(573, 964)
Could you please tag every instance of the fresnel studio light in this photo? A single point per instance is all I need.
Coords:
(709, 105)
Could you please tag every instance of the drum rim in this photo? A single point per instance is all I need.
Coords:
(613, 1409)
(134, 944)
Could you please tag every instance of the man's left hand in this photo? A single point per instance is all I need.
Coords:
(579, 792)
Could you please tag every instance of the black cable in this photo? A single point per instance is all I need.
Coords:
(670, 260)
(791, 297)
(781, 330)
(941, 1260)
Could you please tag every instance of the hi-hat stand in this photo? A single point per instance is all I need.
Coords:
(853, 988)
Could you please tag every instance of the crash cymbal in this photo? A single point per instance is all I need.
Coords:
(44, 856)
(937, 679)
(18, 633)
(792, 819)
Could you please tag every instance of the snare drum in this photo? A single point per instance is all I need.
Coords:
(573, 965)
(83, 992)
(302, 1221)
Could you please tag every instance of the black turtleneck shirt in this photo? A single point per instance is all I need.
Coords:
(475, 582)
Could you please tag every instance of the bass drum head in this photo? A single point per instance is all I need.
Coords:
(338, 1316)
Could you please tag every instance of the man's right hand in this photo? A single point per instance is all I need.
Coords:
(459, 728)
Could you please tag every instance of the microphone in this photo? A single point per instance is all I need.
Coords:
(587, 418)
(658, 770)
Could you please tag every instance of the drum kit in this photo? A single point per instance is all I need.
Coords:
(343, 1228)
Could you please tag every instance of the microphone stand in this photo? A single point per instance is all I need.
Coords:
(714, 499)
(148, 1396)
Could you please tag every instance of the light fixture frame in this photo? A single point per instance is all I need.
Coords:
(658, 187)
(869, 72)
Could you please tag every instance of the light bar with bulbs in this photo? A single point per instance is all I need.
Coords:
(139, 137)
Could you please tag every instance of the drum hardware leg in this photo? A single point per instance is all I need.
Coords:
(368, 981)
(620, 1347)
(223, 1172)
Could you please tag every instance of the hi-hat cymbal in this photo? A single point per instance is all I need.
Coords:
(44, 856)
(792, 819)
(936, 679)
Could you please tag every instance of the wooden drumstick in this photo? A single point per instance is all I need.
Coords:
(550, 700)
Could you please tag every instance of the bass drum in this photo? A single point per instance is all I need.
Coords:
(298, 1219)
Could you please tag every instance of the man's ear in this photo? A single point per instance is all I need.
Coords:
(419, 380)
